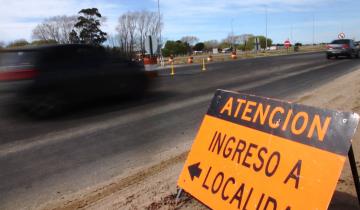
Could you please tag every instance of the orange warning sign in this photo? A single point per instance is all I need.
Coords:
(259, 153)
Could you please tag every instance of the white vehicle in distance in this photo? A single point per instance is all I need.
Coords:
(227, 50)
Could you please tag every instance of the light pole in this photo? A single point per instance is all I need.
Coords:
(313, 30)
(342, 26)
(266, 27)
(160, 41)
(232, 34)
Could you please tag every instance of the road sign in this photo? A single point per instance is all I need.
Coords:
(257, 44)
(215, 51)
(287, 44)
(151, 45)
(341, 35)
(259, 153)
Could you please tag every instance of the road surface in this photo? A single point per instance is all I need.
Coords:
(45, 160)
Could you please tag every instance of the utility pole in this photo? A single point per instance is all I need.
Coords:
(313, 30)
(342, 26)
(160, 40)
(232, 34)
(266, 28)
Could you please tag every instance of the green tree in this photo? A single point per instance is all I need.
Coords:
(248, 45)
(43, 42)
(224, 45)
(169, 48)
(209, 45)
(199, 46)
(191, 40)
(87, 29)
(18, 43)
(175, 48)
(184, 46)
(262, 40)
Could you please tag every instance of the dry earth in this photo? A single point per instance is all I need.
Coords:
(155, 187)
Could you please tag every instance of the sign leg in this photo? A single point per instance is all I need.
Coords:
(354, 172)
(179, 193)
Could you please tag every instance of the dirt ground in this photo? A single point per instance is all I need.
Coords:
(155, 187)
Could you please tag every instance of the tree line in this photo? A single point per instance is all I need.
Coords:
(83, 28)
(189, 44)
(133, 28)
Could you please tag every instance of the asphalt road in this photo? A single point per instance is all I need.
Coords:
(44, 160)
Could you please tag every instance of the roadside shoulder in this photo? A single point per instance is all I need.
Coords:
(155, 187)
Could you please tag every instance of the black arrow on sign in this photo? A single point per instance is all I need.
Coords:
(194, 170)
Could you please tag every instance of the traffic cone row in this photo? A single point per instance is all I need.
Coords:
(233, 55)
(190, 59)
(171, 59)
(203, 66)
(150, 64)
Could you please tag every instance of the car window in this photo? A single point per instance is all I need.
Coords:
(89, 55)
(57, 57)
(17, 58)
(341, 41)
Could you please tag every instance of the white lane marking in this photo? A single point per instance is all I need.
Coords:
(55, 137)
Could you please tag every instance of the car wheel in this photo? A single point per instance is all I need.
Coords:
(328, 56)
(357, 54)
(44, 106)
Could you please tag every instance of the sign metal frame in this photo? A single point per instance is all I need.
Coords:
(329, 141)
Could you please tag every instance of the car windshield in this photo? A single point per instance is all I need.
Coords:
(340, 41)
(17, 58)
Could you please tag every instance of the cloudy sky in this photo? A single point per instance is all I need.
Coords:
(206, 19)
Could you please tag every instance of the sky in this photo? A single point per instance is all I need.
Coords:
(298, 20)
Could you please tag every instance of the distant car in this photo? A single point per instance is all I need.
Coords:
(227, 50)
(342, 47)
(46, 79)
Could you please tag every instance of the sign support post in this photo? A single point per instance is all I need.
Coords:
(354, 172)
(151, 46)
(179, 193)
(287, 45)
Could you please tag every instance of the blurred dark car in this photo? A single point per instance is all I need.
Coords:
(342, 47)
(46, 79)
